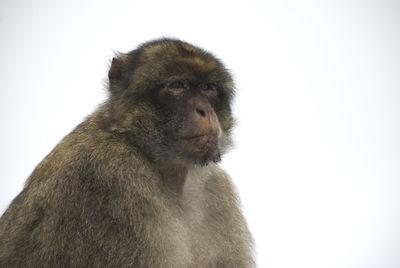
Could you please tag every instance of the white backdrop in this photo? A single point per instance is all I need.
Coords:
(317, 151)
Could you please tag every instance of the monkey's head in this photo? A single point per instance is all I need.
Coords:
(172, 100)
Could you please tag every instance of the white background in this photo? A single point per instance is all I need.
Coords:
(317, 151)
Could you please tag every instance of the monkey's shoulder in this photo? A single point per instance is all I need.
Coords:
(89, 166)
(87, 149)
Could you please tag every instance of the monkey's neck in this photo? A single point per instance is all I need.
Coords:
(173, 179)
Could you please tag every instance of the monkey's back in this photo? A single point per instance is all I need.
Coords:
(70, 210)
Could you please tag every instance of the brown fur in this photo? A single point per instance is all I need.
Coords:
(113, 193)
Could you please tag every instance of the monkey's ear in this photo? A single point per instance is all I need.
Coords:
(116, 72)
(116, 69)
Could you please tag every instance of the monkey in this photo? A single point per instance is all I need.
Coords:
(138, 182)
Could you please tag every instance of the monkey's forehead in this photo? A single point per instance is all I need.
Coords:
(188, 69)
(166, 59)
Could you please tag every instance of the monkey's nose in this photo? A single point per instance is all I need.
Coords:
(201, 111)
(205, 120)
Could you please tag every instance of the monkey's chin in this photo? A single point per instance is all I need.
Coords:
(206, 158)
(200, 150)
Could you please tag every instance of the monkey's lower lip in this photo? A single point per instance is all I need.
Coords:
(192, 137)
(204, 136)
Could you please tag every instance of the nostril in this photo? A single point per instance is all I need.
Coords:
(201, 112)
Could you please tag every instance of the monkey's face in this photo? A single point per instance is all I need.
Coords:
(187, 94)
(191, 127)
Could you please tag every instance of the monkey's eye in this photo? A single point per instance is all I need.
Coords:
(176, 84)
(208, 87)
(175, 88)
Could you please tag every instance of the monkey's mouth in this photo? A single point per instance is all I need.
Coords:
(201, 140)
(198, 137)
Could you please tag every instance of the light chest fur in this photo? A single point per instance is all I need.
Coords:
(192, 225)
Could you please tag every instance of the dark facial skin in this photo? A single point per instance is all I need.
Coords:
(196, 138)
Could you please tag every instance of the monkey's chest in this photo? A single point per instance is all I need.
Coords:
(201, 242)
